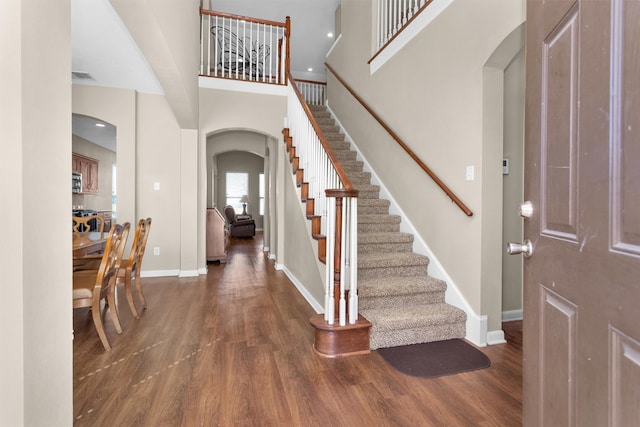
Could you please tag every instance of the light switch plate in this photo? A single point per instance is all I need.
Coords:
(470, 173)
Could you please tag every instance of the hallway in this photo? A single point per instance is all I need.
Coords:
(234, 347)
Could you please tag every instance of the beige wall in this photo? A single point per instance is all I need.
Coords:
(36, 314)
(159, 161)
(149, 149)
(431, 94)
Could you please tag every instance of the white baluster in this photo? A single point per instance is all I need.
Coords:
(353, 254)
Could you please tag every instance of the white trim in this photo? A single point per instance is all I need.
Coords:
(189, 273)
(203, 270)
(242, 86)
(476, 325)
(159, 273)
(334, 45)
(310, 299)
(511, 315)
(405, 36)
(278, 266)
(496, 337)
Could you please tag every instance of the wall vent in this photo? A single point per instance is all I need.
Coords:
(81, 75)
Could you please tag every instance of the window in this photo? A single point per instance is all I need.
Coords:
(261, 190)
(237, 186)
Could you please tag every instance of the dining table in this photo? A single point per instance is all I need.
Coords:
(86, 245)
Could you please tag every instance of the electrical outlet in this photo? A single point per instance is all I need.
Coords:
(156, 186)
(156, 251)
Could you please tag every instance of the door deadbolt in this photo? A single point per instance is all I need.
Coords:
(525, 210)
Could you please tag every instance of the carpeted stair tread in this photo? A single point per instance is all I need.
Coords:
(416, 316)
(384, 242)
(367, 238)
(372, 207)
(376, 287)
(389, 260)
(378, 219)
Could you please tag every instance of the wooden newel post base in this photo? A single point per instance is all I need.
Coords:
(340, 341)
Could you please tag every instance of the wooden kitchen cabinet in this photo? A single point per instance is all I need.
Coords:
(88, 167)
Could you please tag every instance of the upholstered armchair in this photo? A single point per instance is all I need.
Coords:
(239, 228)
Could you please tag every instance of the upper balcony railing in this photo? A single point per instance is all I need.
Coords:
(394, 16)
(243, 48)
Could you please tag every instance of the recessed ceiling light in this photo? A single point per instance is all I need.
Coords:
(100, 125)
(309, 69)
(329, 34)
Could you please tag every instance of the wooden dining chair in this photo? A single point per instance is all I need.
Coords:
(82, 226)
(82, 229)
(130, 267)
(90, 287)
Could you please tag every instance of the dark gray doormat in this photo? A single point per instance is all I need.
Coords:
(435, 359)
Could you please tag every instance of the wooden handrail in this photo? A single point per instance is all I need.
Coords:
(243, 18)
(411, 154)
(323, 140)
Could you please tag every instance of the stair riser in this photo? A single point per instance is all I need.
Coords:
(365, 273)
(368, 194)
(378, 228)
(344, 155)
(334, 136)
(376, 210)
(370, 248)
(340, 145)
(400, 300)
(414, 336)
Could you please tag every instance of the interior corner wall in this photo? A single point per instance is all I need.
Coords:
(512, 266)
(163, 152)
(37, 351)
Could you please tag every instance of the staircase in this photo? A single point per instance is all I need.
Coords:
(403, 303)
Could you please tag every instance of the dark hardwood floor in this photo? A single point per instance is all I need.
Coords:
(234, 347)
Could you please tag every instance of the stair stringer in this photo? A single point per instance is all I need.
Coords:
(318, 306)
(476, 325)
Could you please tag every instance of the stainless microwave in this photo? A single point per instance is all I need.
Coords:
(76, 182)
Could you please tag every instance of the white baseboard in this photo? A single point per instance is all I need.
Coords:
(159, 273)
(303, 291)
(189, 273)
(495, 337)
(511, 315)
(173, 273)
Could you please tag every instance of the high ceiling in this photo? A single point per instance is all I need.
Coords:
(105, 54)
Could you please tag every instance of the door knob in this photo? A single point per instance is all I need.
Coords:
(525, 248)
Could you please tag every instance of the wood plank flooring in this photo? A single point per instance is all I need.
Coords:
(234, 348)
